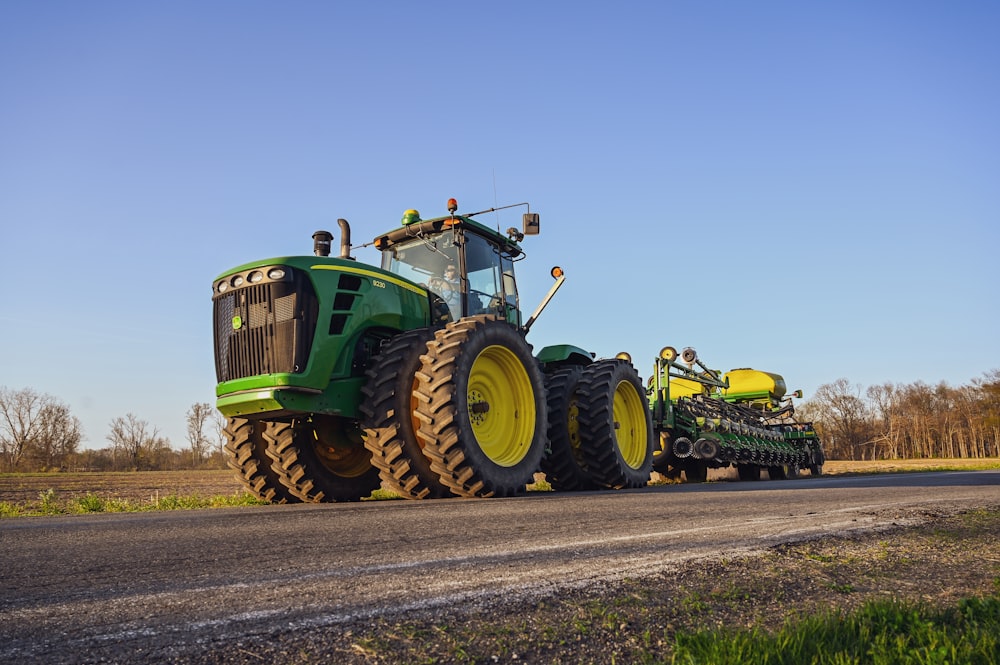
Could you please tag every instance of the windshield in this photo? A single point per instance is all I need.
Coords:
(432, 263)
(419, 260)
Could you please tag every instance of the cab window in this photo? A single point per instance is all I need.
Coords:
(492, 289)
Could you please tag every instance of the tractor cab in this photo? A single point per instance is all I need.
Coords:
(467, 267)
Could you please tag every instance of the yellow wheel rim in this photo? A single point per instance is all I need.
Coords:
(661, 450)
(630, 424)
(342, 453)
(501, 405)
(573, 425)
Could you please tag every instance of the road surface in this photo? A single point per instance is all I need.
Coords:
(157, 586)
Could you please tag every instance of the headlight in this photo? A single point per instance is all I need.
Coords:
(276, 273)
(223, 287)
(256, 277)
(238, 280)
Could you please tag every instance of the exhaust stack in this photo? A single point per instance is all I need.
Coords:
(345, 239)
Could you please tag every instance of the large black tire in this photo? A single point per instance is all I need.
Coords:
(695, 472)
(562, 463)
(816, 462)
(246, 454)
(481, 406)
(616, 427)
(663, 454)
(321, 459)
(390, 428)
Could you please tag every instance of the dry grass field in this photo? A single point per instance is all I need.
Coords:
(835, 467)
(25, 488)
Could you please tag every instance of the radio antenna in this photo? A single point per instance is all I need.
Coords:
(496, 203)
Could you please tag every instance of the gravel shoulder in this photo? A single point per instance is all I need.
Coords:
(945, 558)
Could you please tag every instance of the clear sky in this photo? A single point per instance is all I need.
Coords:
(808, 188)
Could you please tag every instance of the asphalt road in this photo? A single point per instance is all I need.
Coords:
(131, 587)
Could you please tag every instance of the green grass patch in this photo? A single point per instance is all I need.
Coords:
(880, 632)
(50, 503)
(382, 495)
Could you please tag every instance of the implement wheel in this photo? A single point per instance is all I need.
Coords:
(616, 428)
(816, 463)
(695, 472)
(663, 454)
(246, 455)
(321, 459)
(562, 464)
(390, 427)
(481, 407)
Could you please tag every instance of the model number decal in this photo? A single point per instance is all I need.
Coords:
(377, 283)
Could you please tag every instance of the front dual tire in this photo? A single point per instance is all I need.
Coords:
(480, 401)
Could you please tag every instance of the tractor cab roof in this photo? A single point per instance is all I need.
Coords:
(414, 227)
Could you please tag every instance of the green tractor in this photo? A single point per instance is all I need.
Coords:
(338, 378)
(706, 419)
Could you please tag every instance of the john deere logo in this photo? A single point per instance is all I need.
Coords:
(237, 322)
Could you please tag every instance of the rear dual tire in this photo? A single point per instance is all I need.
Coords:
(615, 425)
(563, 464)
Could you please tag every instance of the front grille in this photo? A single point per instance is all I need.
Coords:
(264, 328)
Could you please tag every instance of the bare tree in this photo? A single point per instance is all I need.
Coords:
(19, 409)
(61, 435)
(988, 388)
(36, 429)
(885, 406)
(218, 430)
(135, 440)
(846, 419)
(197, 417)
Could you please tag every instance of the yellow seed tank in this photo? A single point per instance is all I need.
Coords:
(749, 384)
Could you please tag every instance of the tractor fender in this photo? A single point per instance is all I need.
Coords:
(561, 355)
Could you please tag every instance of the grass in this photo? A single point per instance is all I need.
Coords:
(880, 632)
(49, 502)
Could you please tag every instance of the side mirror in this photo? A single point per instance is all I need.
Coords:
(531, 224)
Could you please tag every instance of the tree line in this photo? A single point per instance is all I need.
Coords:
(907, 421)
(38, 432)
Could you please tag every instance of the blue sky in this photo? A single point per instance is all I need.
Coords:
(811, 189)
